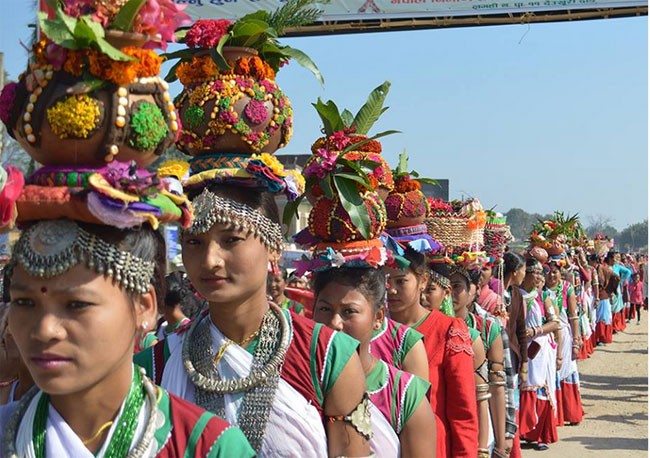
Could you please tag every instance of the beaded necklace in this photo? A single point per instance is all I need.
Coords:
(120, 441)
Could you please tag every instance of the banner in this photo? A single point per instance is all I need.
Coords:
(368, 10)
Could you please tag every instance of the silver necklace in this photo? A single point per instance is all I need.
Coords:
(139, 451)
(259, 387)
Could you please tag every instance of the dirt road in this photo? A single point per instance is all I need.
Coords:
(614, 389)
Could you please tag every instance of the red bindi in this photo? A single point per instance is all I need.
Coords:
(43, 289)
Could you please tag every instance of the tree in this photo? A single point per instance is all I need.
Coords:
(634, 237)
(600, 224)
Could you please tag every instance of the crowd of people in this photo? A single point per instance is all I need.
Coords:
(411, 329)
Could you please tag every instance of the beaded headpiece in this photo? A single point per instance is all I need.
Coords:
(211, 209)
(439, 279)
(50, 248)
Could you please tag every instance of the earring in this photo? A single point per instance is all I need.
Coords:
(144, 326)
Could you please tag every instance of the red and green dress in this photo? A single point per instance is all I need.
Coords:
(182, 430)
(393, 341)
(314, 360)
(394, 396)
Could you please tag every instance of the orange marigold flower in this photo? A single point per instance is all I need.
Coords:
(74, 63)
(242, 66)
(39, 51)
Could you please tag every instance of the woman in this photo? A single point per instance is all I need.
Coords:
(288, 383)
(438, 293)
(178, 304)
(464, 287)
(352, 300)
(538, 402)
(563, 298)
(276, 284)
(449, 350)
(80, 296)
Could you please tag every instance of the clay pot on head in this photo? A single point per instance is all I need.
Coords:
(59, 120)
(406, 209)
(234, 113)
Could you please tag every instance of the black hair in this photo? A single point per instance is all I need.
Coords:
(512, 262)
(441, 268)
(610, 255)
(532, 262)
(259, 200)
(368, 281)
(418, 263)
(592, 257)
(180, 292)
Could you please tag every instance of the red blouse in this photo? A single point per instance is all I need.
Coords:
(451, 373)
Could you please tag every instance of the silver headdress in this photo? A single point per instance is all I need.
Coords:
(210, 209)
(50, 248)
(439, 279)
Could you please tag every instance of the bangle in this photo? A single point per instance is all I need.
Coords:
(6, 383)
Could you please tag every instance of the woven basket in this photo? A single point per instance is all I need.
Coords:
(601, 247)
(496, 238)
(451, 230)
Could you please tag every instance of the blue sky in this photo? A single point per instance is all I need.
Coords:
(542, 117)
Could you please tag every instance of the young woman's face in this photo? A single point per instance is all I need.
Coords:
(434, 295)
(276, 285)
(225, 265)
(404, 289)
(346, 309)
(518, 275)
(486, 274)
(553, 277)
(461, 295)
(76, 329)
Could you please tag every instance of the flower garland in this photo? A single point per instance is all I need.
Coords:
(202, 68)
(145, 63)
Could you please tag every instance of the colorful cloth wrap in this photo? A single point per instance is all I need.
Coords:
(263, 172)
(118, 195)
(416, 237)
(12, 185)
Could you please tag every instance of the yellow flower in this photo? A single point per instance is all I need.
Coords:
(298, 179)
(76, 116)
(272, 163)
(178, 169)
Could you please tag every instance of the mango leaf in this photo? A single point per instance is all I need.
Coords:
(186, 53)
(359, 179)
(429, 181)
(126, 16)
(57, 31)
(95, 26)
(329, 115)
(84, 34)
(171, 75)
(347, 117)
(69, 21)
(372, 109)
(304, 60)
(353, 204)
(112, 52)
(290, 210)
(218, 59)
(356, 145)
(326, 186)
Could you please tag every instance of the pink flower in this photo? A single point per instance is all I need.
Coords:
(160, 17)
(340, 140)
(268, 85)
(229, 117)
(245, 83)
(56, 55)
(256, 111)
(206, 33)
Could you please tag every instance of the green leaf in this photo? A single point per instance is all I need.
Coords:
(171, 75)
(348, 117)
(69, 21)
(186, 53)
(112, 52)
(372, 109)
(356, 145)
(89, 84)
(429, 181)
(402, 166)
(329, 115)
(326, 186)
(218, 59)
(55, 30)
(304, 60)
(84, 35)
(359, 179)
(126, 16)
(353, 204)
(290, 210)
(95, 26)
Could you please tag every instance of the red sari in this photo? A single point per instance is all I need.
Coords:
(451, 373)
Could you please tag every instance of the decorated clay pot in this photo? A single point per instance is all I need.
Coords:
(60, 119)
(538, 253)
(406, 208)
(330, 222)
(555, 248)
(242, 110)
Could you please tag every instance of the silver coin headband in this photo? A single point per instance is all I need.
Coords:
(50, 248)
(211, 209)
(440, 280)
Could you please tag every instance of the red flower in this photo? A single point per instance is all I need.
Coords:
(206, 33)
